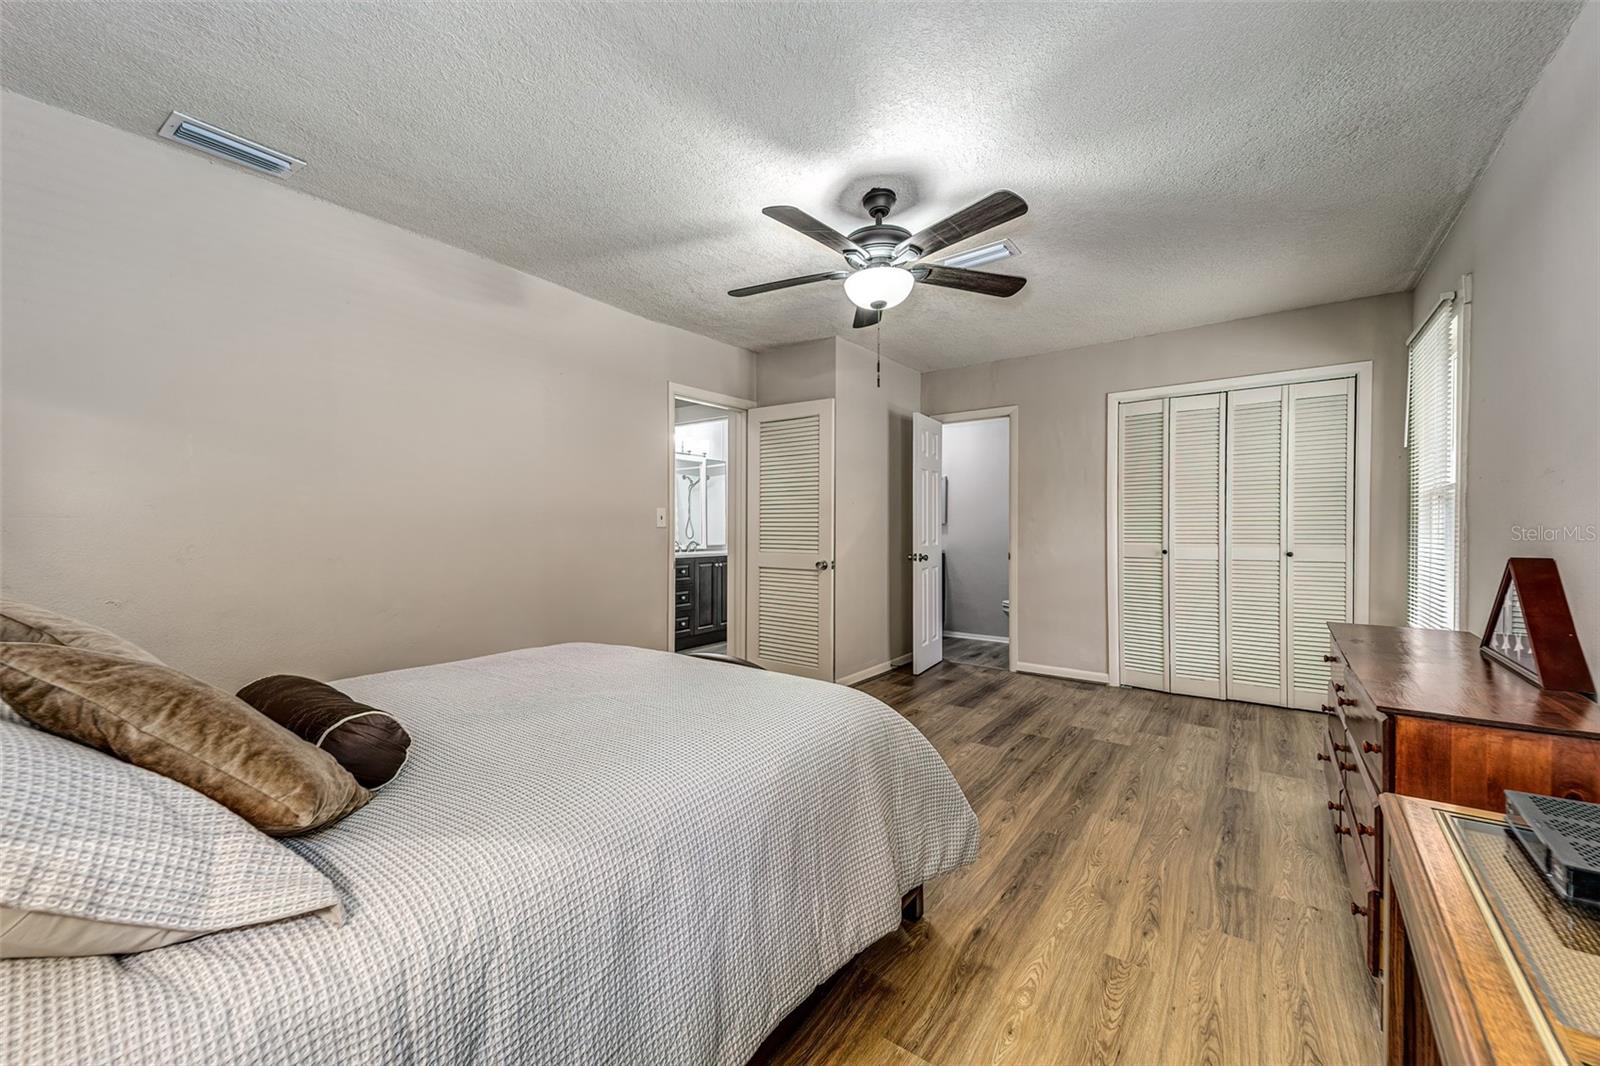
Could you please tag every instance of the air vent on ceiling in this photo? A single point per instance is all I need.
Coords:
(230, 146)
(989, 253)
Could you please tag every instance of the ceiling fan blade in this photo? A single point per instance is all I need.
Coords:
(786, 283)
(998, 207)
(971, 280)
(820, 232)
(866, 318)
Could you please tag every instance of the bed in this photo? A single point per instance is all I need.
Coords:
(595, 854)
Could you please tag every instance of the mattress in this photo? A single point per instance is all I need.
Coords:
(594, 854)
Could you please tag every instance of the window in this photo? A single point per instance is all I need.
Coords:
(1433, 441)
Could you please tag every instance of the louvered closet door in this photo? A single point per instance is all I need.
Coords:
(790, 582)
(1194, 542)
(1141, 529)
(1320, 513)
(1256, 484)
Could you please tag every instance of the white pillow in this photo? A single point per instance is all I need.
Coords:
(100, 857)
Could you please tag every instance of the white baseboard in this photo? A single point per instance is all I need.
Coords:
(1097, 677)
(977, 636)
(873, 671)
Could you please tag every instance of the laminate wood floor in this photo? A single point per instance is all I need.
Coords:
(977, 652)
(1157, 884)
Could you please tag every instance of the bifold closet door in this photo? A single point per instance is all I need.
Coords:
(790, 534)
(1194, 544)
(1320, 506)
(1141, 534)
(1255, 561)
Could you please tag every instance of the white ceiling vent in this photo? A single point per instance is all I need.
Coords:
(230, 146)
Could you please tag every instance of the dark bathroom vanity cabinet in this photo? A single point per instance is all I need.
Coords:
(700, 592)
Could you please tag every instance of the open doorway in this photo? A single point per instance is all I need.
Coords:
(705, 517)
(976, 511)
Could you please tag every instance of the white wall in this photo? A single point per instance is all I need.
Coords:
(977, 462)
(256, 432)
(1061, 397)
(1530, 237)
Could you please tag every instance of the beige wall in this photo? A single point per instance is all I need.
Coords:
(256, 432)
(1530, 237)
(872, 516)
(1061, 595)
(794, 373)
(872, 487)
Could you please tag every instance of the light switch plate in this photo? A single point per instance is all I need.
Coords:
(661, 518)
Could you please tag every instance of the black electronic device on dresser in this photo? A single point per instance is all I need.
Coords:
(700, 598)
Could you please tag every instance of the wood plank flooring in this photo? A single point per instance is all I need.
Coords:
(1157, 884)
(977, 652)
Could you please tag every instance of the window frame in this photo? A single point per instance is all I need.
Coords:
(1459, 310)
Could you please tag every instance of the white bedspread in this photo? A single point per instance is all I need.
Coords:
(595, 854)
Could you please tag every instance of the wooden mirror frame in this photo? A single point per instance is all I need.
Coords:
(1558, 657)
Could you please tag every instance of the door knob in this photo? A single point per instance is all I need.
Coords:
(822, 564)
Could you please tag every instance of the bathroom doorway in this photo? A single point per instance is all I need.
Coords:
(704, 515)
(977, 511)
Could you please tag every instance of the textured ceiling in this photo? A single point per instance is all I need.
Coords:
(1185, 163)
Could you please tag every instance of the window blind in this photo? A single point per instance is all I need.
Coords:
(1433, 445)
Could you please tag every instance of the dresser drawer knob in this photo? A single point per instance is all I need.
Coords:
(1347, 767)
(1365, 830)
(1342, 747)
(1326, 709)
(1332, 806)
(1346, 701)
(1337, 687)
(1358, 910)
(1341, 830)
(1323, 756)
(1330, 658)
(1370, 748)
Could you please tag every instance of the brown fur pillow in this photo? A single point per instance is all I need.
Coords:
(34, 625)
(164, 720)
(368, 742)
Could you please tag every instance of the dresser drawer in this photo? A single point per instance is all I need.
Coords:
(683, 623)
(684, 597)
(1328, 758)
(680, 572)
(1364, 724)
(1360, 803)
(1365, 903)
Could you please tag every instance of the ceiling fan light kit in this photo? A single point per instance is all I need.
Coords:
(878, 288)
(886, 261)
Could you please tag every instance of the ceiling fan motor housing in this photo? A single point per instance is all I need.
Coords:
(880, 239)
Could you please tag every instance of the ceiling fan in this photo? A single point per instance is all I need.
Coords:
(886, 260)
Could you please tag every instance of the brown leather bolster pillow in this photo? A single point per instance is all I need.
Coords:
(366, 741)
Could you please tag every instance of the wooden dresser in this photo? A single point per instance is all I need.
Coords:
(1420, 712)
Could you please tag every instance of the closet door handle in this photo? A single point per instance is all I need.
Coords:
(822, 564)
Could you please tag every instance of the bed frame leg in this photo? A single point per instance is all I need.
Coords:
(911, 905)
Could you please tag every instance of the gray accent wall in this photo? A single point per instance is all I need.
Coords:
(977, 464)
(1530, 237)
(258, 433)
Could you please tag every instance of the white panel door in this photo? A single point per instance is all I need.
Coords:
(1195, 643)
(1255, 562)
(927, 544)
(1141, 548)
(1320, 506)
(790, 535)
